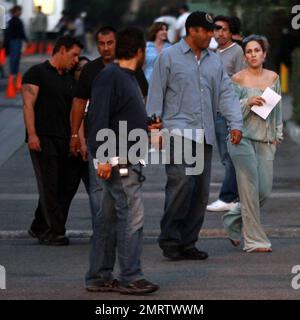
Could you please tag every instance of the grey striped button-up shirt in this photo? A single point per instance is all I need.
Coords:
(185, 93)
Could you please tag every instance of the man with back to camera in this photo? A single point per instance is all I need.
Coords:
(232, 57)
(187, 86)
(116, 97)
(106, 46)
(47, 92)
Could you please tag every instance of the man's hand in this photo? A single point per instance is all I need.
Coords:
(235, 136)
(155, 138)
(104, 170)
(34, 143)
(83, 151)
(156, 125)
(75, 145)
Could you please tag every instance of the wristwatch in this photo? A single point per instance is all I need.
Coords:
(74, 135)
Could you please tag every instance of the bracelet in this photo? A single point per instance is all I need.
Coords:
(74, 135)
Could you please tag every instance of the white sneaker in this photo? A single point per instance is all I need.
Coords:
(220, 205)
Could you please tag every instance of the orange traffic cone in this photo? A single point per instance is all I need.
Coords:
(19, 82)
(49, 49)
(2, 56)
(27, 49)
(41, 48)
(33, 48)
(30, 48)
(11, 90)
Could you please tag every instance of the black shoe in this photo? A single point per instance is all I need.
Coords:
(193, 254)
(172, 254)
(32, 233)
(141, 286)
(110, 286)
(55, 241)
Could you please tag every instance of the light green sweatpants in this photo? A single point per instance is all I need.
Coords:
(253, 162)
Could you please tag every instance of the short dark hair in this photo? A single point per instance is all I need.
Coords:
(154, 28)
(226, 19)
(262, 40)
(66, 41)
(105, 30)
(236, 25)
(129, 40)
(15, 9)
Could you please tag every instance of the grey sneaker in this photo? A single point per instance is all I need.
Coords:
(110, 286)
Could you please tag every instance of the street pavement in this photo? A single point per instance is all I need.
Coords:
(40, 272)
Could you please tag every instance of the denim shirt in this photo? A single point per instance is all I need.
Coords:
(256, 128)
(185, 93)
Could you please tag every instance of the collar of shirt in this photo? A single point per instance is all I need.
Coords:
(50, 66)
(116, 64)
(186, 48)
(222, 50)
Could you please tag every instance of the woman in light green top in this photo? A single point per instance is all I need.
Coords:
(253, 157)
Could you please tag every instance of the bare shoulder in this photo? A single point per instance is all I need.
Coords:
(271, 75)
(238, 77)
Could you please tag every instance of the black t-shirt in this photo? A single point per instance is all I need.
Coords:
(53, 104)
(115, 97)
(91, 70)
(88, 74)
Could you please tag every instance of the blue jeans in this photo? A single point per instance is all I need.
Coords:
(185, 204)
(93, 186)
(229, 190)
(118, 229)
(15, 48)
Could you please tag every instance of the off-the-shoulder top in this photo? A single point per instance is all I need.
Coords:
(255, 127)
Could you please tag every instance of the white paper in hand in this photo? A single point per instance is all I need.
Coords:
(271, 98)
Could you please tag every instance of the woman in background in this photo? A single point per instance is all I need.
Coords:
(253, 157)
(157, 41)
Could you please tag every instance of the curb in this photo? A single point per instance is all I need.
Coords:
(205, 233)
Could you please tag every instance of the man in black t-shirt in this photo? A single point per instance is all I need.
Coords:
(47, 92)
